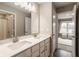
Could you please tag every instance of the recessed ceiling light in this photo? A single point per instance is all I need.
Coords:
(54, 16)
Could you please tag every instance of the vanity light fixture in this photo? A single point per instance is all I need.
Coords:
(26, 5)
(16, 3)
(33, 8)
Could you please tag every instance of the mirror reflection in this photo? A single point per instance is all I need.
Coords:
(6, 25)
(16, 21)
(11, 27)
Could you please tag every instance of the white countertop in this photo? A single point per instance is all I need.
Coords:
(6, 51)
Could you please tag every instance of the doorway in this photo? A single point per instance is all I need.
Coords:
(65, 33)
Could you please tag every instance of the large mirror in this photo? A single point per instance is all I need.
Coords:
(17, 20)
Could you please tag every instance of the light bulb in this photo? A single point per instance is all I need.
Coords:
(54, 16)
(26, 5)
(22, 5)
(30, 5)
(33, 8)
(16, 3)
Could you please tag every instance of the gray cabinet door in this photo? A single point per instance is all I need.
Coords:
(28, 52)
(36, 54)
(42, 49)
(22, 54)
(35, 50)
(47, 47)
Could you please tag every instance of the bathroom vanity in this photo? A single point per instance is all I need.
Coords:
(40, 49)
(27, 46)
(27, 38)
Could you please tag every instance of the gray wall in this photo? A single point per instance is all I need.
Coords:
(47, 10)
(46, 18)
(55, 27)
(35, 20)
(20, 16)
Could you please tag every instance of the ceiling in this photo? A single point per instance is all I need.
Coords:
(61, 4)
(14, 6)
(57, 4)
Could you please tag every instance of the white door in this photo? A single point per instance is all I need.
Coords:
(27, 26)
(5, 28)
(54, 33)
(74, 37)
(1, 30)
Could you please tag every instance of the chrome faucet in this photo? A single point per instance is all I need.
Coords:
(35, 34)
(15, 39)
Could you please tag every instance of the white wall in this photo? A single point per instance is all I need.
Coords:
(20, 16)
(47, 11)
(35, 20)
(46, 18)
(55, 28)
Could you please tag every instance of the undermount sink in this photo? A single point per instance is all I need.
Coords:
(37, 37)
(18, 45)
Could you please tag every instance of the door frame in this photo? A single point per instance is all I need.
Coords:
(74, 37)
(12, 14)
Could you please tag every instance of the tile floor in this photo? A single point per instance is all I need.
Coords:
(62, 53)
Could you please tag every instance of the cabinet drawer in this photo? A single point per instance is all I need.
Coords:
(22, 54)
(47, 49)
(28, 52)
(35, 54)
(47, 46)
(42, 51)
(41, 43)
(28, 56)
(47, 40)
(35, 48)
(42, 55)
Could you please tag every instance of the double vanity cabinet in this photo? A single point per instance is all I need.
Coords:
(41, 49)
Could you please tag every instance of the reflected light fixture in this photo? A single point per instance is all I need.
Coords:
(26, 5)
